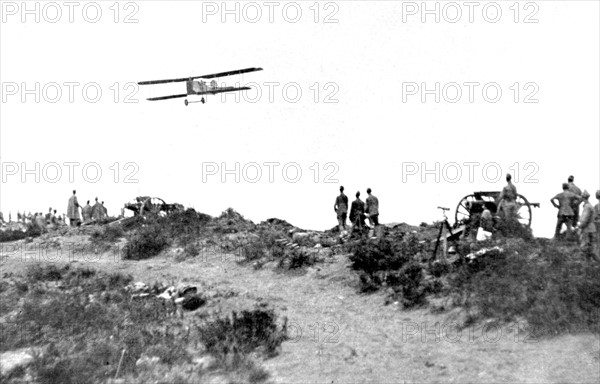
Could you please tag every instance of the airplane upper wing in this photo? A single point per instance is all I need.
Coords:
(211, 76)
(230, 73)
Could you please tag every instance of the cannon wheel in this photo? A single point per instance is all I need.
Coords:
(152, 206)
(524, 214)
(462, 212)
(524, 211)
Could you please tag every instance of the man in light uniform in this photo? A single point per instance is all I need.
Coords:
(97, 211)
(73, 210)
(507, 201)
(565, 209)
(372, 209)
(86, 212)
(587, 228)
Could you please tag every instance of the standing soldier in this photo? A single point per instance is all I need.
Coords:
(73, 210)
(40, 222)
(86, 212)
(575, 189)
(49, 216)
(507, 201)
(97, 211)
(565, 209)
(341, 209)
(372, 209)
(104, 211)
(587, 228)
(357, 214)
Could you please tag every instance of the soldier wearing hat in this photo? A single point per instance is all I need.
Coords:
(566, 199)
(587, 228)
(341, 209)
(575, 189)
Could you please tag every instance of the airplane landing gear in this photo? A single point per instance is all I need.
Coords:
(186, 102)
(202, 100)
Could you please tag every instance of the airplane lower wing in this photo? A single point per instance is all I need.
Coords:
(221, 90)
(167, 97)
(207, 92)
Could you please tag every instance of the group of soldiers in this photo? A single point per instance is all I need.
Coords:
(359, 211)
(34, 218)
(587, 225)
(90, 214)
(568, 202)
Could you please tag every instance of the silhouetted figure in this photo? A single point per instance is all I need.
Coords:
(565, 209)
(73, 210)
(357, 213)
(341, 209)
(372, 209)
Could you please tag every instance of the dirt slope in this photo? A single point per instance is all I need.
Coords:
(363, 340)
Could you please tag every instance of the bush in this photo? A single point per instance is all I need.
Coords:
(554, 292)
(407, 284)
(438, 268)
(145, 243)
(512, 228)
(372, 257)
(254, 250)
(184, 226)
(394, 263)
(14, 235)
(107, 234)
(242, 334)
(299, 258)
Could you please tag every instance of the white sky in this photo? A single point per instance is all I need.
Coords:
(369, 133)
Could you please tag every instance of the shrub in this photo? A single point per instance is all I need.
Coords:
(183, 226)
(16, 234)
(513, 228)
(407, 284)
(554, 292)
(242, 334)
(299, 258)
(253, 250)
(192, 250)
(438, 268)
(107, 234)
(147, 242)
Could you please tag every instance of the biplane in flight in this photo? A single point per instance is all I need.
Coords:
(201, 88)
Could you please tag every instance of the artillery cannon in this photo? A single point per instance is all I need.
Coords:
(146, 205)
(475, 203)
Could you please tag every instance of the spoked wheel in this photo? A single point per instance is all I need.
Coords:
(152, 206)
(523, 211)
(463, 211)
